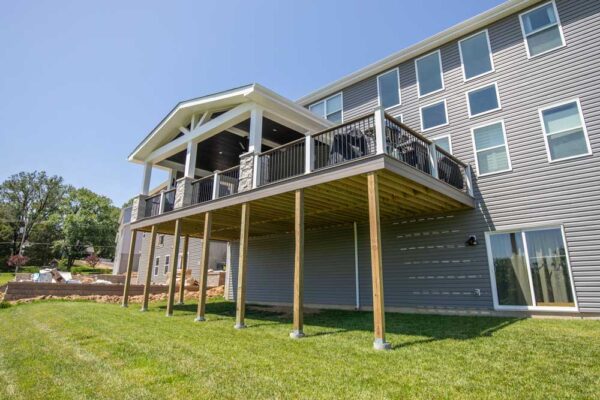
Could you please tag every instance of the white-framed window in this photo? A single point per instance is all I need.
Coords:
(530, 269)
(399, 117)
(491, 148)
(388, 88)
(167, 261)
(156, 265)
(161, 240)
(444, 142)
(541, 29)
(330, 108)
(483, 100)
(430, 77)
(434, 115)
(564, 130)
(476, 55)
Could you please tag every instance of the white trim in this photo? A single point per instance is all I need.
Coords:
(546, 134)
(439, 54)
(495, 84)
(475, 151)
(491, 55)
(399, 117)
(558, 23)
(449, 136)
(429, 105)
(492, 271)
(397, 69)
(324, 101)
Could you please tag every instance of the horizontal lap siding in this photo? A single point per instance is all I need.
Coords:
(535, 191)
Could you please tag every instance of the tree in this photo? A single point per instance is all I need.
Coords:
(92, 260)
(26, 199)
(17, 261)
(89, 220)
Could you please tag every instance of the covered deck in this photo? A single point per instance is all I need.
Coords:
(363, 170)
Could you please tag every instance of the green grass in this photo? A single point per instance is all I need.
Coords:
(59, 349)
(6, 277)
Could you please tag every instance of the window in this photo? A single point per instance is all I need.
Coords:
(167, 260)
(541, 29)
(161, 240)
(476, 55)
(530, 269)
(491, 151)
(388, 88)
(433, 115)
(156, 264)
(429, 73)
(483, 100)
(330, 108)
(444, 142)
(564, 131)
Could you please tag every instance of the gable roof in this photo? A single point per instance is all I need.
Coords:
(472, 24)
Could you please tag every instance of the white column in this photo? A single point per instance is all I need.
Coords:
(190, 159)
(309, 154)
(469, 180)
(216, 185)
(380, 130)
(147, 176)
(433, 160)
(256, 116)
(172, 178)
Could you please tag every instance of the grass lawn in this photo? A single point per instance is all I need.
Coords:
(56, 349)
(6, 277)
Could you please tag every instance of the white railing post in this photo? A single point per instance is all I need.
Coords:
(380, 142)
(255, 170)
(216, 184)
(433, 160)
(469, 180)
(309, 154)
(161, 205)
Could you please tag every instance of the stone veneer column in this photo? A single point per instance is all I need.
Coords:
(246, 172)
(183, 192)
(138, 209)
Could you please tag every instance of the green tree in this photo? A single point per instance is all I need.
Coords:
(89, 221)
(27, 199)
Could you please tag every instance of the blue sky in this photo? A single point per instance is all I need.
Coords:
(82, 82)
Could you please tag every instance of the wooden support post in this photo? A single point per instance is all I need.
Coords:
(376, 263)
(204, 266)
(184, 261)
(242, 266)
(298, 327)
(174, 259)
(150, 265)
(129, 268)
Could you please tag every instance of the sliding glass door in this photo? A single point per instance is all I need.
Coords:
(530, 269)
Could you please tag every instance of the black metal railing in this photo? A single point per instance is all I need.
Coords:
(228, 181)
(449, 171)
(202, 189)
(282, 162)
(346, 142)
(169, 200)
(152, 206)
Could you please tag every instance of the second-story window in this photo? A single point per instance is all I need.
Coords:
(541, 29)
(483, 100)
(434, 115)
(491, 151)
(329, 108)
(167, 260)
(388, 88)
(564, 131)
(429, 73)
(444, 142)
(476, 55)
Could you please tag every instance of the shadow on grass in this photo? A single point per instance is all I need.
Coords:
(426, 326)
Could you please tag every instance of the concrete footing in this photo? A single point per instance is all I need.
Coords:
(239, 326)
(199, 319)
(296, 334)
(379, 344)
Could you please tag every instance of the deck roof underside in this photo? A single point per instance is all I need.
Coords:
(331, 203)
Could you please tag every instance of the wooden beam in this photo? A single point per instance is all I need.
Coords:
(174, 259)
(242, 268)
(129, 268)
(376, 263)
(298, 325)
(184, 261)
(150, 264)
(204, 266)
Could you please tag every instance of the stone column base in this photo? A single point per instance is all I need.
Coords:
(138, 209)
(183, 192)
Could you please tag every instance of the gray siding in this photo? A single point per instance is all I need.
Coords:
(534, 192)
(217, 255)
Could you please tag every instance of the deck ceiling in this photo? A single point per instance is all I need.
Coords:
(328, 204)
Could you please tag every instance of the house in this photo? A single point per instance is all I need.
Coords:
(459, 175)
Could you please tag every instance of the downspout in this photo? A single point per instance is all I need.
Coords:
(356, 280)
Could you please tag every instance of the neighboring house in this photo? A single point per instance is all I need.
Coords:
(122, 244)
(336, 200)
